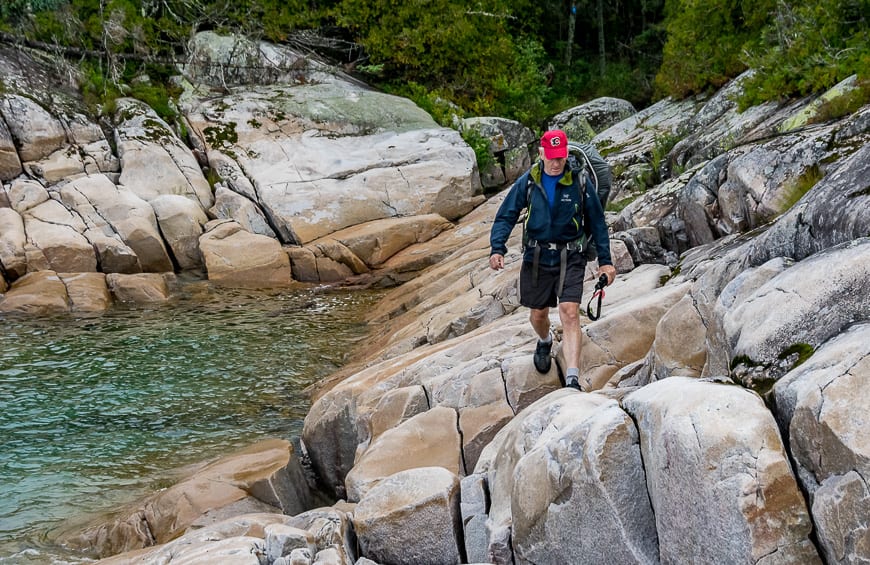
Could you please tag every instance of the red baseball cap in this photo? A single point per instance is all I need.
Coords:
(555, 144)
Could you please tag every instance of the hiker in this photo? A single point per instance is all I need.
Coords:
(554, 262)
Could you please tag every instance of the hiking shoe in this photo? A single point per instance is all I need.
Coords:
(542, 356)
(572, 383)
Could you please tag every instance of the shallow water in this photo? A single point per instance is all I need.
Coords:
(95, 411)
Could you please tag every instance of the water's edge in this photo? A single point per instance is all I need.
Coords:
(98, 412)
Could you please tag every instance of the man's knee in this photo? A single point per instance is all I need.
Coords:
(539, 314)
(569, 312)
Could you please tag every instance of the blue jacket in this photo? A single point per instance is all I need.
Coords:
(564, 225)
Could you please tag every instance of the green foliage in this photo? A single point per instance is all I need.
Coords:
(480, 144)
(705, 41)
(662, 145)
(14, 12)
(468, 56)
(435, 102)
(809, 47)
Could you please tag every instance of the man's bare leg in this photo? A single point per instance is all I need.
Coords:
(569, 313)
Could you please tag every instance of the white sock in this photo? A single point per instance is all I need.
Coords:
(548, 340)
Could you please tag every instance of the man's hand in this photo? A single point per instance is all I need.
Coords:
(496, 262)
(608, 270)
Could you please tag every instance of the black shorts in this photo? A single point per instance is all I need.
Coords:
(545, 293)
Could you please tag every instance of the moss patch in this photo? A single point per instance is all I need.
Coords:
(221, 136)
(800, 186)
(803, 350)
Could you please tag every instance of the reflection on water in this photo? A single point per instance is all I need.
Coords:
(94, 410)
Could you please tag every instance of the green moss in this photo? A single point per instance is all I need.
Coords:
(857, 193)
(800, 186)
(743, 360)
(212, 176)
(619, 205)
(803, 350)
(840, 106)
(254, 123)
(665, 278)
(221, 136)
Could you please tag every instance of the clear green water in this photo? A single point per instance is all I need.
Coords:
(94, 411)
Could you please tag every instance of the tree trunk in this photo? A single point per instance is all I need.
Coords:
(572, 15)
(602, 62)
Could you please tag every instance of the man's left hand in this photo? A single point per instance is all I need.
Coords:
(608, 270)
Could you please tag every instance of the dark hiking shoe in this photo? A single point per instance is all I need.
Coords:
(542, 356)
(572, 383)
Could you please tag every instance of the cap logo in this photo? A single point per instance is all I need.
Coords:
(555, 142)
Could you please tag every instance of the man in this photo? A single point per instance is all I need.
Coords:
(554, 263)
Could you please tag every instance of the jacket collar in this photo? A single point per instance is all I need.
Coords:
(537, 172)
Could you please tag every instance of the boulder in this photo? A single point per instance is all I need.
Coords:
(181, 222)
(64, 163)
(55, 235)
(215, 60)
(36, 132)
(281, 540)
(823, 405)
(428, 439)
(88, 292)
(718, 447)
(623, 334)
(831, 213)
(141, 288)
(566, 485)
(236, 257)
(509, 143)
(10, 164)
(122, 227)
(230, 205)
(39, 293)
(166, 514)
(347, 156)
(375, 242)
(598, 114)
(632, 140)
(411, 518)
(232, 540)
(12, 242)
(719, 125)
(333, 532)
(767, 338)
(154, 161)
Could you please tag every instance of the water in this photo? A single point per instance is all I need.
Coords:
(94, 411)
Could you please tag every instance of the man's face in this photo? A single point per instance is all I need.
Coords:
(553, 167)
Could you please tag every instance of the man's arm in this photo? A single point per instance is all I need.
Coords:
(595, 216)
(506, 217)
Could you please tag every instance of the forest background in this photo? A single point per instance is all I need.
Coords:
(520, 59)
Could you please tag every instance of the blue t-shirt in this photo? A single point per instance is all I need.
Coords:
(549, 183)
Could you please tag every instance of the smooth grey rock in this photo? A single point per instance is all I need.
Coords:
(231, 205)
(760, 329)
(600, 114)
(411, 517)
(823, 405)
(282, 540)
(718, 447)
(563, 496)
(181, 222)
(12, 241)
(154, 160)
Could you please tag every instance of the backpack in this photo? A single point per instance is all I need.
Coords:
(586, 162)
